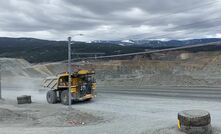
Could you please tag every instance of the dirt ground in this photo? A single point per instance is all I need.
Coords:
(43, 115)
(107, 114)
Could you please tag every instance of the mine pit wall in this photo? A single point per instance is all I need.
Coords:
(198, 70)
(182, 69)
(20, 74)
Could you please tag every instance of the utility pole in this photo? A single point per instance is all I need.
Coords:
(0, 82)
(69, 68)
(69, 71)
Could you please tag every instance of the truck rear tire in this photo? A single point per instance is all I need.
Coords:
(51, 97)
(65, 97)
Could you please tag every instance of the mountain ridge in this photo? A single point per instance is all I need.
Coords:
(159, 43)
(38, 50)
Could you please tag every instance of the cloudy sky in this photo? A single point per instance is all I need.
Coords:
(110, 19)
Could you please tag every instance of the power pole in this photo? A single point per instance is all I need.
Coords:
(69, 70)
(0, 82)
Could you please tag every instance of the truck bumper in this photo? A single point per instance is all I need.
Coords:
(88, 96)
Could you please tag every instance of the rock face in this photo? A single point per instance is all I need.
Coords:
(13, 67)
(19, 67)
(195, 122)
(202, 69)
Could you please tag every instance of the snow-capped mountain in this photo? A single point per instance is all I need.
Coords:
(159, 43)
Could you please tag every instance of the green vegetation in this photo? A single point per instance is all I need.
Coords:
(36, 51)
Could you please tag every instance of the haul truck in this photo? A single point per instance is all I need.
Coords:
(83, 87)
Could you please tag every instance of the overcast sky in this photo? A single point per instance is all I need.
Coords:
(110, 19)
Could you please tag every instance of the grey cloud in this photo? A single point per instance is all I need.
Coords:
(110, 19)
(152, 6)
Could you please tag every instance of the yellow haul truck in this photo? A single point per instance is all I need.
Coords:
(83, 85)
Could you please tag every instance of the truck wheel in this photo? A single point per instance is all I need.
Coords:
(65, 97)
(51, 97)
(194, 122)
(24, 99)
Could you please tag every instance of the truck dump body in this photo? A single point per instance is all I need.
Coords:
(50, 82)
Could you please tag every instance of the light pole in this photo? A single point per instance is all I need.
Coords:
(0, 82)
(69, 71)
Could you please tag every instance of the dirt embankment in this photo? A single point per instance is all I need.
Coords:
(180, 69)
(197, 69)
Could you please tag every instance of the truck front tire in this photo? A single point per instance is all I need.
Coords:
(65, 97)
(51, 97)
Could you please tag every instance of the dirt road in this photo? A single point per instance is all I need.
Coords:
(109, 113)
(200, 93)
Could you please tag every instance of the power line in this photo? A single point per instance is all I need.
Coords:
(130, 54)
(170, 49)
(149, 52)
(179, 26)
(179, 10)
(182, 26)
(205, 4)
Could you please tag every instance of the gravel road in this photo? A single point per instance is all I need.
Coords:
(115, 112)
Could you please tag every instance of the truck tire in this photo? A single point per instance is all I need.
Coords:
(24, 99)
(194, 121)
(51, 97)
(65, 97)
